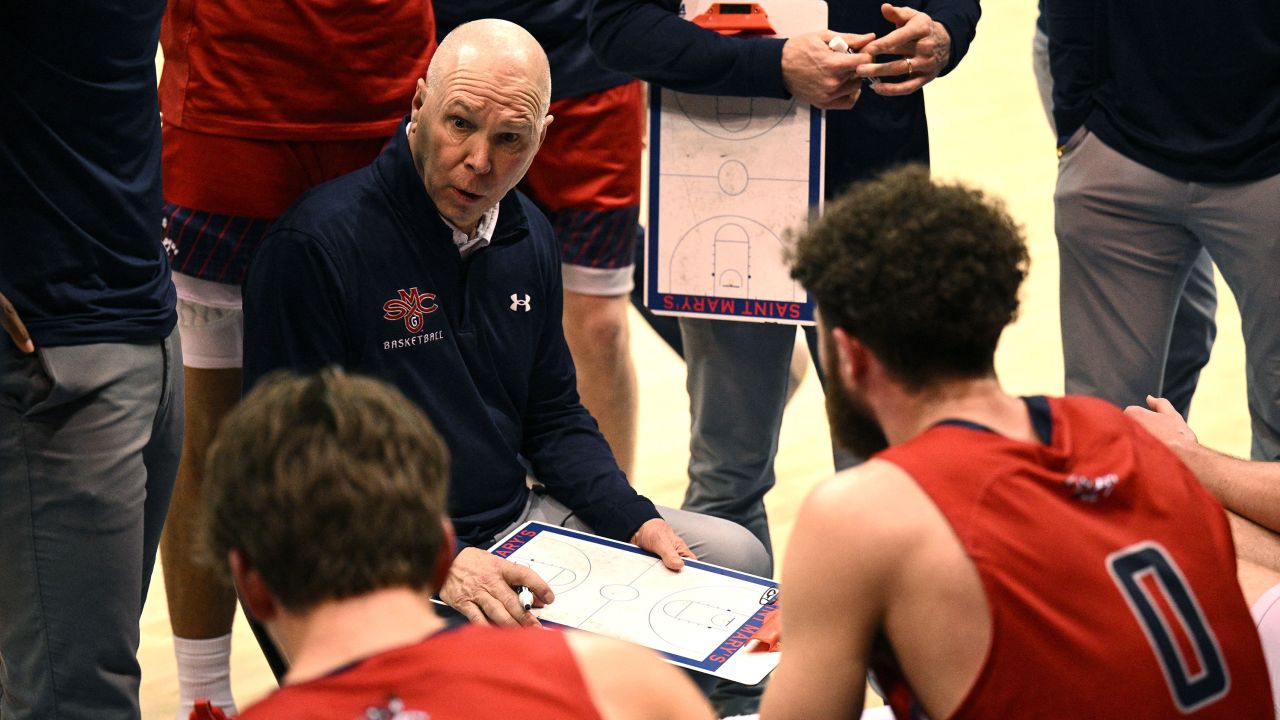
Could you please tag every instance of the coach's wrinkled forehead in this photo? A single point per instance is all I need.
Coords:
(483, 51)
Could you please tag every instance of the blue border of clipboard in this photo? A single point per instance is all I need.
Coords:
(753, 623)
(652, 297)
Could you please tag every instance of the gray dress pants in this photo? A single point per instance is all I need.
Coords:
(89, 442)
(1128, 238)
(1194, 324)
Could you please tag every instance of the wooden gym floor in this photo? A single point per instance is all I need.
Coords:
(986, 128)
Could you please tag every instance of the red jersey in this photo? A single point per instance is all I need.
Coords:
(293, 69)
(465, 673)
(1109, 572)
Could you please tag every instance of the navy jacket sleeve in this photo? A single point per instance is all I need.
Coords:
(561, 440)
(1073, 62)
(646, 38)
(293, 316)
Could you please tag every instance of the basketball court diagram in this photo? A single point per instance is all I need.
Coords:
(734, 177)
(614, 589)
(729, 179)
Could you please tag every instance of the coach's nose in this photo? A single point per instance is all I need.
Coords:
(479, 155)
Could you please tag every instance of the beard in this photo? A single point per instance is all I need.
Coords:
(853, 426)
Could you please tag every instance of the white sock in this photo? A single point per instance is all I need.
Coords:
(204, 671)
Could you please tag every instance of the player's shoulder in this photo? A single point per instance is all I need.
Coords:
(284, 703)
(1091, 416)
(876, 483)
(589, 648)
(1099, 429)
(874, 499)
(525, 642)
(630, 682)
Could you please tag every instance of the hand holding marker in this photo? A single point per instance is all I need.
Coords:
(523, 593)
(838, 44)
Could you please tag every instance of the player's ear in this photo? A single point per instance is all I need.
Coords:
(444, 559)
(850, 358)
(253, 591)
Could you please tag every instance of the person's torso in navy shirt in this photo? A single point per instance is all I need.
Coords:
(363, 273)
(80, 238)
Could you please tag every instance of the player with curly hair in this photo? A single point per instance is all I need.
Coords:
(997, 556)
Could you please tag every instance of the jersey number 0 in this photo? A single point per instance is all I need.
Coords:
(1165, 607)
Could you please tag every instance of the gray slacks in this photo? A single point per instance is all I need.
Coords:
(1128, 238)
(713, 540)
(737, 382)
(89, 442)
(1194, 323)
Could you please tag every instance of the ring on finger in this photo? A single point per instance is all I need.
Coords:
(908, 67)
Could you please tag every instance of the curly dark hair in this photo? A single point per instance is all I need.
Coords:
(332, 485)
(925, 274)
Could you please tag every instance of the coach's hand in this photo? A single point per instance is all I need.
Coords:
(814, 74)
(480, 587)
(13, 325)
(657, 537)
(923, 44)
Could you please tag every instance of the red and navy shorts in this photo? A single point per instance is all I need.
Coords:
(587, 178)
(222, 193)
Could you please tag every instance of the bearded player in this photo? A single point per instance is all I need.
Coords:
(998, 556)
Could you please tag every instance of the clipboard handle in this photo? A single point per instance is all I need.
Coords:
(769, 637)
(736, 19)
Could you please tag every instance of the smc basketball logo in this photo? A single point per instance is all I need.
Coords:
(395, 710)
(411, 307)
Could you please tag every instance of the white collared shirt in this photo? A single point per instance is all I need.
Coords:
(484, 232)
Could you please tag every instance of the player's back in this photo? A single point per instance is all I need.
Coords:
(467, 672)
(1107, 570)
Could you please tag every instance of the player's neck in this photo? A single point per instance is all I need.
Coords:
(978, 400)
(340, 632)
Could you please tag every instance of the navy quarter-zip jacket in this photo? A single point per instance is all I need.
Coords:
(362, 272)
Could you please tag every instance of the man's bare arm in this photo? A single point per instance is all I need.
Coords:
(1254, 543)
(840, 560)
(1247, 488)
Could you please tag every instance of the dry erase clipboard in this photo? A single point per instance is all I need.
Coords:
(728, 179)
(702, 617)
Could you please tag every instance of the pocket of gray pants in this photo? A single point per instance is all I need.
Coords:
(1073, 142)
(24, 380)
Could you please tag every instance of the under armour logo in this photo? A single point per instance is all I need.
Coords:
(517, 302)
